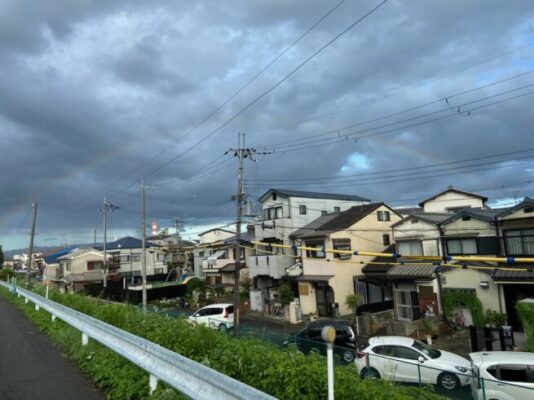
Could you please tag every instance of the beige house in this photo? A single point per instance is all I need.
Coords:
(327, 278)
(81, 267)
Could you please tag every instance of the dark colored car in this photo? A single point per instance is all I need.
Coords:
(345, 346)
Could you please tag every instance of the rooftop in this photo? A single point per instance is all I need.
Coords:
(314, 195)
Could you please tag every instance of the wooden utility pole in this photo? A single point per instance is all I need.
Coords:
(32, 234)
(143, 245)
(94, 238)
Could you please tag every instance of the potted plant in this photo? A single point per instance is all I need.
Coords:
(427, 329)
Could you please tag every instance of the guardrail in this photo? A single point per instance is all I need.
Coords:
(187, 376)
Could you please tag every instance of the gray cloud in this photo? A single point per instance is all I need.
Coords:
(96, 95)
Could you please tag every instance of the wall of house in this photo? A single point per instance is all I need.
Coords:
(152, 262)
(308, 303)
(452, 199)
(473, 227)
(78, 265)
(215, 235)
(459, 278)
(365, 234)
(292, 217)
(424, 231)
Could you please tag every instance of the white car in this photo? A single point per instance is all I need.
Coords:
(217, 316)
(404, 359)
(502, 375)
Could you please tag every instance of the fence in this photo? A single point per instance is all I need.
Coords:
(456, 381)
(187, 376)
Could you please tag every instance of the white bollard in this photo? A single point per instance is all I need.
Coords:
(36, 307)
(25, 300)
(53, 318)
(85, 339)
(152, 384)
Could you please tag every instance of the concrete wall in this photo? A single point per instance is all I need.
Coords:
(152, 261)
(426, 232)
(215, 235)
(473, 227)
(452, 199)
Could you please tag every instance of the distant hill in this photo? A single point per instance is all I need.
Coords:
(8, 254)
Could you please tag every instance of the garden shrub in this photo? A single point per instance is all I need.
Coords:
(283, 373)
(525, 311)
(453, 299)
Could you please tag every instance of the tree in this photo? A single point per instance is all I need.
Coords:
(352, 301)
(1, 257)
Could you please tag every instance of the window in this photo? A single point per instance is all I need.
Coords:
(94, 265)
(528, 210)
(302, 209)
(406, 353)
(406, 304)
(415, 221)
(124, 259)
(274, 196)
(388, 351)
(337, 209)
(383, 216)
(519, 242)
(273, 213)
(136, 258)
(201, 254)
(492, 370)
(324, 212)
(411, 247)
(426, 349)
(158, 271)
(513, 373)
(342, 244)
(67, 266)
(316, 253)
(385, 239)
(461, 246)
(160, 256)
(466, 218)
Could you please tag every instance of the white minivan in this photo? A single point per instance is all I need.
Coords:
(217, 316)
(502, 375)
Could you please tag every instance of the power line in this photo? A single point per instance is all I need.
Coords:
(262, 95)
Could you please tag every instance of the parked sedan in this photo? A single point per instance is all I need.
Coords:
(309, 338)
(405, 359)
(217, 316)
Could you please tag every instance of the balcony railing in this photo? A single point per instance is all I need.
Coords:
(269, 265)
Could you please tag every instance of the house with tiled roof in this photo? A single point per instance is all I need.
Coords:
(327, 278)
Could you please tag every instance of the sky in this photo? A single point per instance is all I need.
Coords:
(394, 106)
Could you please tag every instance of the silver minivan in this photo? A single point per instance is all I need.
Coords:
(502, 375)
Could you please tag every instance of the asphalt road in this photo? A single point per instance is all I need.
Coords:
(32, 368)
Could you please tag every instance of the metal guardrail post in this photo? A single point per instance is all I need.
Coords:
(419, 373)
(483, 386)
(189, 377)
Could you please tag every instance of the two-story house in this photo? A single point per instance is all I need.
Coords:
(282, 213)
(128, 251)
(79, 268)
(210, 245)
(327, 278)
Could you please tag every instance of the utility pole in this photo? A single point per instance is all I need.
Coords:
(143, 244)
(104, 210)
(30, 250)
(240, 152)
(94, 237)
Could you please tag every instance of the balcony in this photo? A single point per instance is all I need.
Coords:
(269, 265)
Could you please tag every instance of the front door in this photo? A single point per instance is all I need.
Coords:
(325, 298)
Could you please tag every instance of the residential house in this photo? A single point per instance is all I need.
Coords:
(211, 243)
(79, 268)
(128, 250)
(176, 252)
(516, 234)
(52, 270)
(282, 213)
(327, 278)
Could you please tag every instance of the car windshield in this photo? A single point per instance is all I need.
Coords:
(426, 349)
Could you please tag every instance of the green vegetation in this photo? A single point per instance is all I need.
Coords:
(453, 299)
(286, 294)
(6, 274)
(495, 319)
(284, 373)
(526, 314)
(353, 301)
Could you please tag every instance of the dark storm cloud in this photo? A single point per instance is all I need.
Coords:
(96, 95)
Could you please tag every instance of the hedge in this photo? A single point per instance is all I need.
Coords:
(453, 299)
(525, 311)
(283, 373)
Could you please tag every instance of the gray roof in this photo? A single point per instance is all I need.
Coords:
(337, 221)
(408, 210)
(314, 195)
(527, 202)
(503, 275)
(433, 218)
(481, 214)
(314, 278)
(412, 271)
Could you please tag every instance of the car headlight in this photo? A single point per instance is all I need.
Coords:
(461, 369)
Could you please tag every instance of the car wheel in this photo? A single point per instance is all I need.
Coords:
(369, 373)
(222, 328)
(448, 381)
(348, 356)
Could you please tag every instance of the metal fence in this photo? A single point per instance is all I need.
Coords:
(187, 376)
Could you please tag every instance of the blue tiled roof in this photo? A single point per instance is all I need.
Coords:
(127, 242)
(52, 258)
